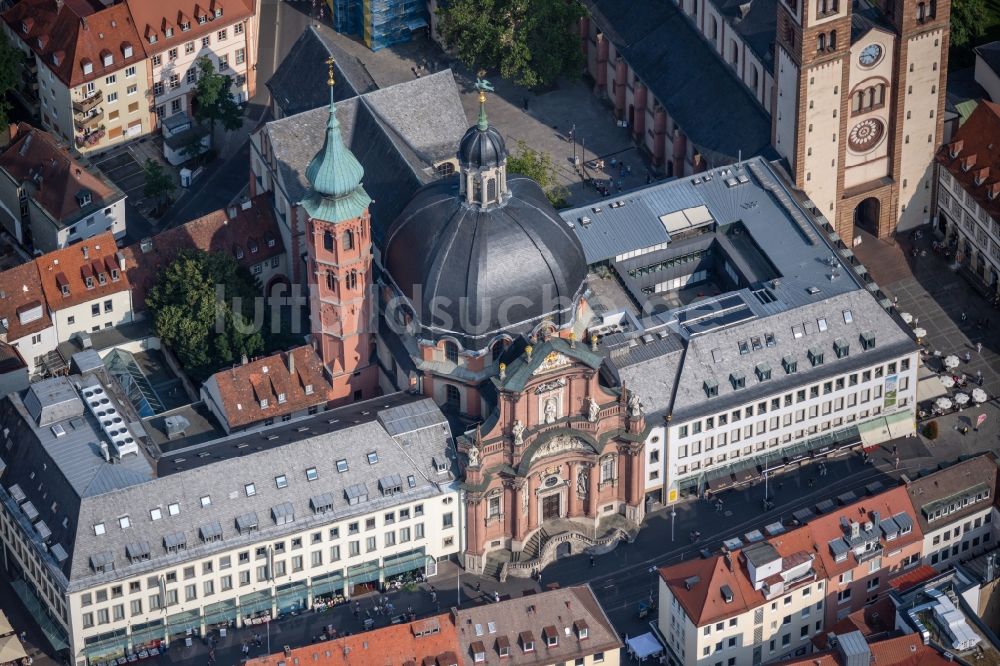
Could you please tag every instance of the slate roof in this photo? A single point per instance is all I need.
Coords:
(990, 53)
(77, 484)
(253, 226)
(300, 82)
(562, 610)
(72, 266)
(700, 92)
(21, 296)
(967, 478)
(396, 133)
(865, 16)
(53, 178)
(77, 31)
(242, 388)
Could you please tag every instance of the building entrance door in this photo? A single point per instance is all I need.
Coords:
(550, 507)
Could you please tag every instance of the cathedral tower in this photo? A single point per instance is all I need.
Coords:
(339, 252)
(859, 94)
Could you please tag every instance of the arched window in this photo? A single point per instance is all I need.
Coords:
(871, 98)
(331, 281)
(452, 399)
(857, 102)
(328, 241)
(880, 94)
(821, 42)
(497, 350)
(451, 351)
(477, 189)
(491, 189)
(833, 39)
(348, 240)
(714, 32)
(352, 280)
(754, 77)
(920, 11)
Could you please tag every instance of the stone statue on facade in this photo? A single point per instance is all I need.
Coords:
(582, 481)
(550, 410)
(473, 456)
(592, 410)
(518, 432)
(634, 406)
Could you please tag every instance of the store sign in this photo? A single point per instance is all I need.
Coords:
(891, 385)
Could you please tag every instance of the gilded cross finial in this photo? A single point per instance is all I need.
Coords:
(483, 86)
(329, 64)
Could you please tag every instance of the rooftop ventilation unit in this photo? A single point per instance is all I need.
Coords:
(112, 422)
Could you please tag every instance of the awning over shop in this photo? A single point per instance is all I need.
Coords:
(403, 562)
(52, 632)
(255, 602)
(873, 432)
(179, 622)
(104, 645)
(363, 573)
(220, 612)
(901, 424)
(148, 633)
(328, 583)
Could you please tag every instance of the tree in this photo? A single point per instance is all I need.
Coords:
(10, 76)
(212, 99)
(538, 166)
(205, 332)
(531, 42)
(158, 185)
(969, 19)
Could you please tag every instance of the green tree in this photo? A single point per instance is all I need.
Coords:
(530, 42)
(969, 20)
(10, 76)
(203, 309)
(158, 183)
(538, 166)
(212, 99)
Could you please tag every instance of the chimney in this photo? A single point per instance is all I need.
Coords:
(105, 452)
(855, 529)
(121, 261)
(232, 212)
(244, 360)
(876, 520)
(86, 252)
(291, 364)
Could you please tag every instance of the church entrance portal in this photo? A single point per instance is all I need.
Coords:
(550, 507)
(866, 215)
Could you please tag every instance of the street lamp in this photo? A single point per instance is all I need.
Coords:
(673, 516)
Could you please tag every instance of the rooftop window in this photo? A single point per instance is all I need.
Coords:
(124, 522)
(797, 331)
(769, 340)
(755, 343)
(342, 465)
(173, 509)
(841, 348)
(312, 474)
(206, 501)
(711, 388)
(373, 457)
(155, 514)
(251, 489)
(763, 372)
(867, 341)
(738, 380)
(790, 365)
(281, 481)
(744, 347)
(848, 317)
(815, 356)
(99, 529)
(821, 324)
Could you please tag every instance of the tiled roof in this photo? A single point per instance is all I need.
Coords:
(394, 644)
(65, 273)
(243, 388)
(20, 296)
(153, 18)
(972, 476)
(254, 226)
(557, 612)
(53, 177)
(973, 156)
(10, 359)
(702, 600)
(908, 650)
(75, 32)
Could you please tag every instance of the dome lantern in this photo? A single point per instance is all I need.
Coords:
(482, 156)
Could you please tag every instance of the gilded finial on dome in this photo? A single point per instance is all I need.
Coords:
(329, 78)
(483, 86)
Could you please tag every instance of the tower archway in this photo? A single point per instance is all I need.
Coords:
(866, 215)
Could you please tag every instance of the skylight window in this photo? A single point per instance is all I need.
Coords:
(155, 514)
(848, 317)
(206, 501)
(797, 331)
(281, 481)
(173, 509)
(717, 355)
(251, 489)
(124, 522)
(756, 344)
(821, 324)
(769, 340)
(744, 347)
(312, 474)
(99, 529)
(342, 466)
(373, 457)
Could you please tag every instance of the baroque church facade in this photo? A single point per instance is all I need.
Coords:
(850, 93)
(478, 302)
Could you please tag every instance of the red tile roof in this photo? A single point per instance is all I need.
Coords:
(79, 31)
(52, 176)
(391, 645)
(153, 18)
(703, 602)
(253, 227)
(242, 387)
(973, 156)
(94, 259)
(914, 577)
(20, 294)
(908, 650)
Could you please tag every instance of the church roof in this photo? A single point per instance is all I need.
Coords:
(551, 352)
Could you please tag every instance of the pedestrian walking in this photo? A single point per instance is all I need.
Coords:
(979, 347)
(434, 597)
(895, 301)
(591, 561)
(478, 585)
(496, 596)
(897, 462)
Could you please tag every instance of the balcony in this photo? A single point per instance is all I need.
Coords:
(869, 554)
(90, 121)
(88, 103)
(90, 139)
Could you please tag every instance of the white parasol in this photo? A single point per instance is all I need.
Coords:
(920, 332)
(947, 380)
(951, 361)
(943, 403)
(961, 398)
(979, 395)
(906, 316)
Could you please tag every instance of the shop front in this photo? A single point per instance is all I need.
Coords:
(106, 647)
(181, 626)
(404, 566)
(327, 590)
(292, 597)
(256, 607)
(363, 578)
(221, 615)
(148, 636)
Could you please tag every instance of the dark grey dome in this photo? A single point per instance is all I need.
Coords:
(481, 148)
(473, 272)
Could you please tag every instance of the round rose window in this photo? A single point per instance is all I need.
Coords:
(866, 135)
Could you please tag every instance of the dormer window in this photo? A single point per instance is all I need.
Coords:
(114, 274)
(239, 252)
(763, 372)
(83, 198)
(253, 247)
(711, 388)
(90, 282)
(270, 242)
(202, 19)
(815, 357)
(218, 12)
(168, 33)
(582, 629)
(281, 398)
(841, 348)
(738, 380)
(309, 389)
(65, 290)
(263, 403)
(108, 59)
(88, 67)
(25, 27)
(185, 26)
(790, 365)
(152, 38)
(56, 59)
(102, 278)
(867, 341)
(127, 50)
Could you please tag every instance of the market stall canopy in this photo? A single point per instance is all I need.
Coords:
(951, 361)
(644, 646)
(943, 403)
(961, 398)
(11, 649)
(979, 395)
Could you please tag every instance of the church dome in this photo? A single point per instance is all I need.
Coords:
(472, 271)
(481, 148)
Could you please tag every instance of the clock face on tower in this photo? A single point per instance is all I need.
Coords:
(870, 55)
